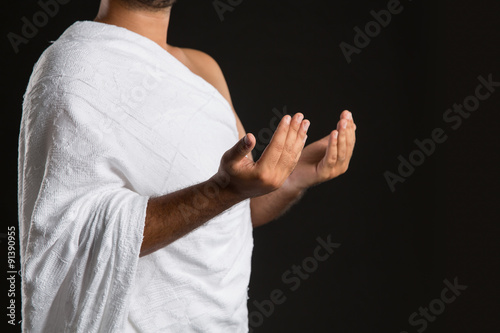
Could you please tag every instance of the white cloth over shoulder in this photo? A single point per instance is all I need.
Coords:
(109, 120)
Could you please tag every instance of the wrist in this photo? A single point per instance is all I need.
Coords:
(220, 185)
(292, 188)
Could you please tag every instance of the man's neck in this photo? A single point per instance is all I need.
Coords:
(150, 24)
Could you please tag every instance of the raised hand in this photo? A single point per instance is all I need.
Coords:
(250, 179)
(326, 158)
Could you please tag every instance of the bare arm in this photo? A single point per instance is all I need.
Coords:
(174, 215)
(269, 207)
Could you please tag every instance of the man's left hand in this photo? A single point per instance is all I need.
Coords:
(327, 158)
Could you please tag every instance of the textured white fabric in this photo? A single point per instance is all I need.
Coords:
(109, 120)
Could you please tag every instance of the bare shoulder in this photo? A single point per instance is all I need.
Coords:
(200, 59)
(203, 65)
(206, 67)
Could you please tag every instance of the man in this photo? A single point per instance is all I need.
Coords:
(136, 204)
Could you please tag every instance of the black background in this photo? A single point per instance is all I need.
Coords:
(396, 247)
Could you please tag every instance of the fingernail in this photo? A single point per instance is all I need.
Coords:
(335, 135)
(306, 125)
(299, 118)
(246, 140)
(287, 119)
(344, 124)
(349, 115)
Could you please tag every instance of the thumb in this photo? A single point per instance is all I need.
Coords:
(242, 148)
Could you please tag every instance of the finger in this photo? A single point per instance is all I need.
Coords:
(242, 148)
(351, 139)
(330, 159)
(274, 149)
(346, 115)
(342, 140)
(350, 117)
(290, 149)
(301, 139)
(294, 129)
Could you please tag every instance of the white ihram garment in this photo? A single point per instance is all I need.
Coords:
(109, 120)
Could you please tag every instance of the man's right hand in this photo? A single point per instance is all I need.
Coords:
(249, 179)
(175, 214)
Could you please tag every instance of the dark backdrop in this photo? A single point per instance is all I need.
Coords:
(395, 248)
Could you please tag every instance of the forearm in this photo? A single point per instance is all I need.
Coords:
(174, 215)
(269, 207)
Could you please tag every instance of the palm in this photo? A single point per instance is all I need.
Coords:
(326, 158)
(306, 171)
